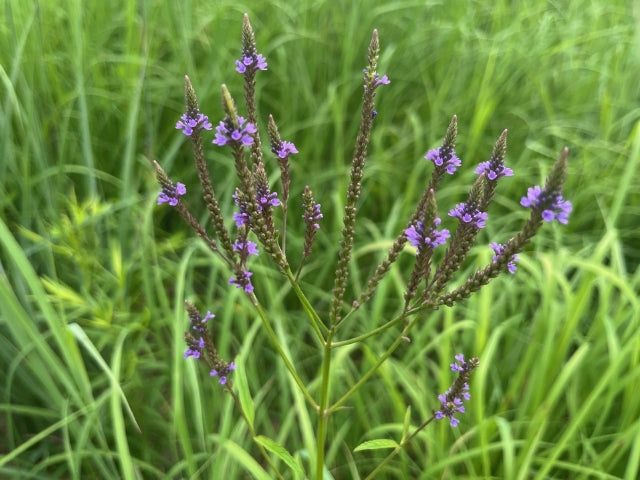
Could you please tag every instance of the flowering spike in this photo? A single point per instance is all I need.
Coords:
(451, 402)
(311, 216)
(371, 81)
(200, 345)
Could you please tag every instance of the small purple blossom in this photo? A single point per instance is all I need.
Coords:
(225, 133)
(187, 123)
(384, 80)
(269, 199)
(257, 62)
(493, 172)
(418, 237)
(246, 248)
(223, 373)
(498, 249)
(468, 214)
(435, 155)
(243, 281)
(286, 149)
(172, 197)
(377, 79)
(553, 206)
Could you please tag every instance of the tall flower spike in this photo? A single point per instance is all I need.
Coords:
(249, 64)
(282, 149)
(170, 194)
(425, 237)
(493, 170)
(311, 216)
(444, 158)
(471, 220)
(211, 201)
(451, 402)
(372, 80)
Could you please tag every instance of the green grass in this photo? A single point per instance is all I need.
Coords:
(93, 274)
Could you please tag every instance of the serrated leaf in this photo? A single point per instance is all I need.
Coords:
(378, 444)
(281, 452)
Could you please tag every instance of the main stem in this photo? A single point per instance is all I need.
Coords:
(323, 412)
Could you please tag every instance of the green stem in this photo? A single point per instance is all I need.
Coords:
(316, 322)
(401, 338)
(372, 333)
(323, 413)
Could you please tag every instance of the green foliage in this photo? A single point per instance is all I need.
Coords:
(92, 274)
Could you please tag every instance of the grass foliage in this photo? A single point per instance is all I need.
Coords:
(93, 274)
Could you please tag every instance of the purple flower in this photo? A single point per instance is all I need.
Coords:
(493, 172)
(377, 79)
(498, 249)
(224, 371)
(243, 281)
(384, 80)
(468, 214)
(268, 199)
(418, 236)
(286, 149)
(225, 133)
(171, 197)
(246, 248)
(187, 123)
(257, 62)
(450, 164)
(553, 206)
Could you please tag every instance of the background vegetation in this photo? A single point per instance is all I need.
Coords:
(94, 274)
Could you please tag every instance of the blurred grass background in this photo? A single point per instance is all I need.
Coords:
(94, 274)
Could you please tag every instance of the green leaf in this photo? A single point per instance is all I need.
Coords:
(281, 452)
(246, 460)
(378, 444)
(245, 395)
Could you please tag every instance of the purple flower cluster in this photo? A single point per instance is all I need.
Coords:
(187, 123)
(198, 324)
(223, 373)
(553, 205)
(267, 199)
(431, 237)
(242, 217)
(495, 171)
(469, 214)
(245, 248)
(498, 248)
(255, 62)
(313, 217)
(172, 196)
(194, 351)
(225, 133)
(451, 401)
(435, 155)
(286, 149)
(243, 281)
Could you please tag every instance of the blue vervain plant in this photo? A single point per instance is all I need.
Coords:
(255, 218)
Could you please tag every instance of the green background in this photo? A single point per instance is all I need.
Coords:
(93, 273)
